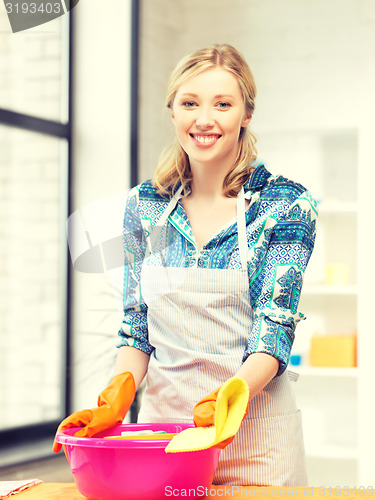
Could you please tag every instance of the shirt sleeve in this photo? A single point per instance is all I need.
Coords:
(134, 328)
(276, 290)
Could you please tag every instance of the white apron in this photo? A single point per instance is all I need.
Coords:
(198, 322)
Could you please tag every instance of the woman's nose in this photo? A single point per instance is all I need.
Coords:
(204, 118)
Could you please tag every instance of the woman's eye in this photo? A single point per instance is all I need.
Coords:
(189, 104)
(223, 105)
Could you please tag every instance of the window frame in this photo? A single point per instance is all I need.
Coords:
(34, 433)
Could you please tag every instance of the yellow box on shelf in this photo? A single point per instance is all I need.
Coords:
(333, 350)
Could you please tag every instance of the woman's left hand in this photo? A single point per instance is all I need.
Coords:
(204, 414)
(204, 410)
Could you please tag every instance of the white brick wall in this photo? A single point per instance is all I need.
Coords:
(312, 61)
(30, 230)
(31, 68)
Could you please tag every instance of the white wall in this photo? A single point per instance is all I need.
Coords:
(312, 61)
(101, 168)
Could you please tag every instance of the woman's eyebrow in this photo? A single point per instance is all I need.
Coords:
(223, 96)
(218, 96)
(189, 94)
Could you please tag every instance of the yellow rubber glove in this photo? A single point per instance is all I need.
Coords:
(204, 414)
(113, 404)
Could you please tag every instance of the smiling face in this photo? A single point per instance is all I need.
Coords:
(208, 112)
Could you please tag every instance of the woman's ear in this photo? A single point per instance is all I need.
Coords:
(246, 121)
(170, 107)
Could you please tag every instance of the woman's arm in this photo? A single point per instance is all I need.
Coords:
(275, 290)
(134, 348)
(131, 359)
(258, 369)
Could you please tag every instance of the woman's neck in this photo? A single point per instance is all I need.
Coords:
(207, 183)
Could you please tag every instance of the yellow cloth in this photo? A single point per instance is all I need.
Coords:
(231, 406)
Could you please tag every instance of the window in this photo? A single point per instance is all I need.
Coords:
(35, 144)
(33, 172)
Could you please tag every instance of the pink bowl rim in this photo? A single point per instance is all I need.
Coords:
(66, 437)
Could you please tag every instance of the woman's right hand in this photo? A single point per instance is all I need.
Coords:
(113, 404)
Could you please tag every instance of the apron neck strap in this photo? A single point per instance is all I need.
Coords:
(170, 206)
(241, 228)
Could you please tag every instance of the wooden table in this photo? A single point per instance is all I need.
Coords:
(68, 491)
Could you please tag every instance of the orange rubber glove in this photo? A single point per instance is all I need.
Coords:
(113, 404)
(204, 410)
(204, 414)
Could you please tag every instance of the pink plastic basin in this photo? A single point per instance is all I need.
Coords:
(117, 469)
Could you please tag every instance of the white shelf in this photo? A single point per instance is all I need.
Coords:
(325, 371)
(337, 207)
(330, 289)
(326, 394)
(331, 451)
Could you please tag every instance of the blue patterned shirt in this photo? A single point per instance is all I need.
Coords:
(280, 226)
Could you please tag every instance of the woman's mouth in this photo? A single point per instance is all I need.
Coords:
(205, 141)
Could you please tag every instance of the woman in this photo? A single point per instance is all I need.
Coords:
(215, 248)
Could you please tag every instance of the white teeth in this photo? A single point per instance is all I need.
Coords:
(205, 139)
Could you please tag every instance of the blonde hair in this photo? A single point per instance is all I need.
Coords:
(174, 168)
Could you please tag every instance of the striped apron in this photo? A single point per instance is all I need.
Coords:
(198, 322)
